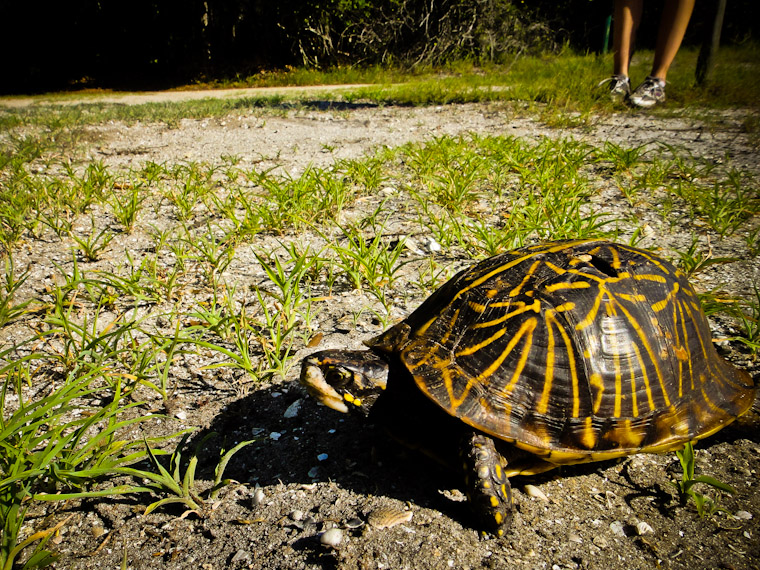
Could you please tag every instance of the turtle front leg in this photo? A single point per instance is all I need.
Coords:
(487, 485)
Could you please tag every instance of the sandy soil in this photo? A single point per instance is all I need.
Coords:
(312, 469)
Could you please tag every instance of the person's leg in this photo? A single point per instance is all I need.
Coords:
(675, 17)
(626, 18)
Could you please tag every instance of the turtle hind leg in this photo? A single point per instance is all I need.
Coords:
(488, 488)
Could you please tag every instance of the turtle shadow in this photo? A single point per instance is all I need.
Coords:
(655, 495)
(298, 441)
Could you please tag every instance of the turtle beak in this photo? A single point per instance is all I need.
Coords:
(314, 379)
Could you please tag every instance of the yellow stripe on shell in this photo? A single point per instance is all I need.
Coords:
(449, 376)
(543, 404)
(615, 258)
(596, 382)
(591, 314)
(615, 350)
(678, 318)
(449, 329)
(653, 359)
(528, 275)
(472, 349)
(562, 285)
(557, 269)
(648, 257)
(650, 277)
(627, 437)
(647, 384)
(632, 298)
(634, 399)
(517, 261)
(588, 437)
(527, 328)
(522, 307)
(660, 305)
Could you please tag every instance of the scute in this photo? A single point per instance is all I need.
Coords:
(575, 350)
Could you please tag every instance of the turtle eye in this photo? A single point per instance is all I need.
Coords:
(338, 377)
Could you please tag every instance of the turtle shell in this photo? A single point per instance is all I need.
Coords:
(574, 351)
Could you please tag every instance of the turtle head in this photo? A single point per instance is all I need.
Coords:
(345, 380)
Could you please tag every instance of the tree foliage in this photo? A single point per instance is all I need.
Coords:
(156, 43)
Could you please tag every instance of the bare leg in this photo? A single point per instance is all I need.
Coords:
(675, 17)
(626, 18)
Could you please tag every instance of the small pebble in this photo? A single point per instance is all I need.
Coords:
(600, 541)
(275, 435)
(241, 556)
(644, 528)
(572, 537)
(181, 415)
(332, 537)
(258, 497)
(430, 245)
(322, 457)
(292, 410)
(313, 472)
(412, 246)
(617, 528)
(743, 515)
(296, 515)
(536, 493)
(309, 523)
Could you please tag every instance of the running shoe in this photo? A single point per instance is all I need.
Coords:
(620, 87)
(650, 93)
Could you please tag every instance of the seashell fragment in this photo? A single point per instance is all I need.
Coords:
(388, 516)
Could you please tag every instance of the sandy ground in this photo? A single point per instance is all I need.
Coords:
(312, 470)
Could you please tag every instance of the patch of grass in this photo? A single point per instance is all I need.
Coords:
(747, 314)
(9, 309)
(93, 244)
(297, 201)
(53, 443)
(181, 487)
(541, 191)
(695, 259)
(370, 263)
(705, 505)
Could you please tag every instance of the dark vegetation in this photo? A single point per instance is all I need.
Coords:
(147, 44)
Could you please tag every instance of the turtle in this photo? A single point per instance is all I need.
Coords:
(552, 354)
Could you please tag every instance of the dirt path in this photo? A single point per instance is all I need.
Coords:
(172, 96)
